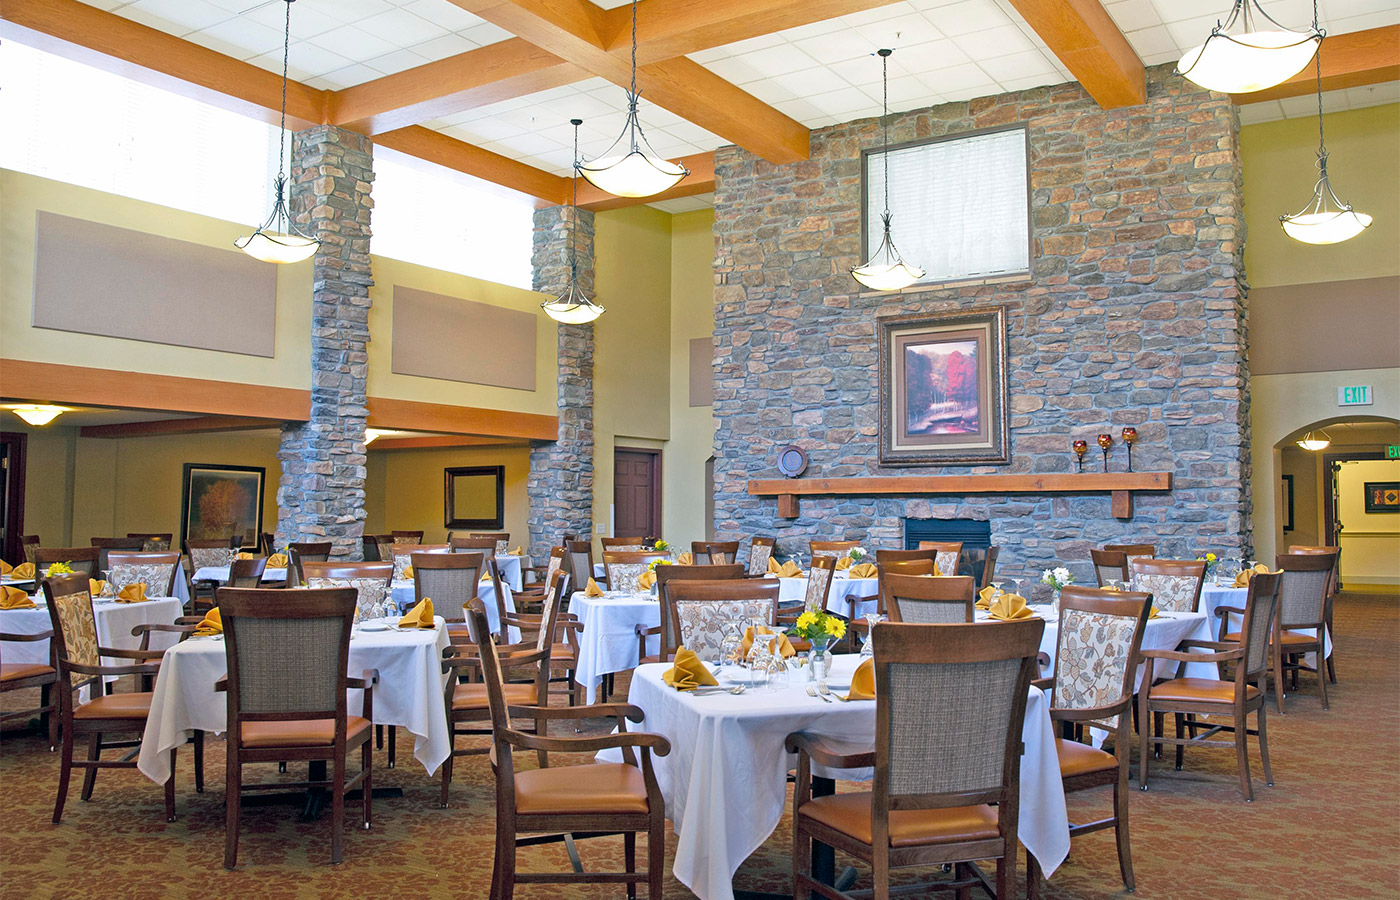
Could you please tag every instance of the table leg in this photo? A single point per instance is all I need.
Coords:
(823, 856)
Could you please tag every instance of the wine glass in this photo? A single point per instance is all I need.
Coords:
(867, 650)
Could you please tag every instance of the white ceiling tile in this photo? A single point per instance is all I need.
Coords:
(799, 109)
(957, 94)
(1182, 10)
(928, 57)
(1299, 106)
(483, 130)
(250, 37)
(762, 42)
(956, 78)
(779, 60)
(398, 61)
(304, 60)
(349, 76)
(1157, 59)
(707, 56)
(769, 90)
(733, 70)
(346, 11)
(838, 46)
(1133, 15)
(909, 92)
(351, 42)
(1377, 19)
(847, 100)
(1154, 40)
(1026, 64)
(444, 47)
(401, 27)
(443, 14)
(1254, 113)
(968, 16)
(815, 29)
(306, 22)
(994, 42)
(191, 15)
(812, 81)
(485, 33)
(878, 14)
(151, 20)
(860, 72)
(900, 31)
(1374, 94)
(1021, 84)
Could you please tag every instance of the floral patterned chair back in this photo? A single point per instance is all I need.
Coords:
(155, 570)
(154, 543)
(1100, 634)
(819, 577)
(624, 544)
(702, 609)
(949, 555)
(624, 567)
(834, 549)
(1175, 584)
(403, 556)
(370, 580)
(760, 551)
(74, 626)
(210, 554)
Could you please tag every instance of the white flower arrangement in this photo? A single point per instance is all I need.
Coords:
(856, 554)
(1058, 578)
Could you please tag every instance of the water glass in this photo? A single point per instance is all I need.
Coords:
(867, 650)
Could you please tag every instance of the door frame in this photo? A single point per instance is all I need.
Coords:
(655, 466)
(1329, 494)
(14, 503)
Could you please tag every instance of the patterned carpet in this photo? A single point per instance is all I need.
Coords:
(1329, 827)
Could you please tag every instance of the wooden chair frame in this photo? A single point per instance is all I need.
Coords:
(84, 559)
(1139, 565)
(153, 558)
(155, 536)
(609, 543)
(1132, 551)
(668, 632)
(107, 544)
(46, 682)
(835, 549)
(297, 553)
(1109, 559)
(945, 547)
(728, 552)
(407, 537)
(1307, 550)
(950, 590)
(582, 552)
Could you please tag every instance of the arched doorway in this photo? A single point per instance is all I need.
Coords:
(1324, 495)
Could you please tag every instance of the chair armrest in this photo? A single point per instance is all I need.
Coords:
(175, 629)
(81, 669)
(368, 678)
(818, 750)
(653, 742)
(1090, 713)
(41, 636)
(1227, 610)
(596, 711)
(130, 654)
(1179, 656)
(221, 686)
(647, 632)
(1045, 684)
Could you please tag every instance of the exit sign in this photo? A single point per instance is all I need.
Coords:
(1392, 451)
(1354, 395)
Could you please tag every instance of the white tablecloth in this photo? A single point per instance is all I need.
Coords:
(608, 642)
(409, 693)
(724, 781)
(865, 592)
(1213, 596)
(220, 574)
(401, 592)
(114, 624)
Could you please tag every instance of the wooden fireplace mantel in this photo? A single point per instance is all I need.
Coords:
(1121, 485)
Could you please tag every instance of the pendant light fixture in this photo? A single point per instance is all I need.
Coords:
(38, 414)
(886, 270)
(1315, 441)
(1325, 220)
(279, 240)
(1260, 55)
(573, 306)
(630, 168)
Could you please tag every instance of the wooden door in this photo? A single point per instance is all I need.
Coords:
(12, 452)
(637, 493)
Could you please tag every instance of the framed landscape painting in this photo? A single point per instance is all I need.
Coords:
(219, 501)
(943, 389)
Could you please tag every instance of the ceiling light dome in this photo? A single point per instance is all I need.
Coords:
(38, 414)
(573, 307)
(1250, 59)
(1315, 440)
(886, 270)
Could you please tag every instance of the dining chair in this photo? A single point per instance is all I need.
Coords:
(624, 567)
(568, 563)
(157, 571)
(563, 654)
(1302, 608)
(760, 551)
(105, 545)
(1332, 590)
(370, 581)
(533, 593)
(377, 547)
(77, 653)
(502, 539)
(719, 553)
(28, 544)
(701, 609)
(286, 688)
(820, 574)
(900, 556)
(247, 573)
(625, 544)
(267, 543)
(1175, 584)
(927, 601)
(468, 707)
(153, 541)
(980, 564)
(407, 537)
(1187, 698)
(588, 799)
(301, 552)
(581, 561)
(1109, 565)
(1134, 551)
(955, 812)
(1099, 636)
(23, 676)
(667, 633)
(450, 580)
(949, 554)
(82, 559)
(205, 553)
(404, 553)
(830, 548)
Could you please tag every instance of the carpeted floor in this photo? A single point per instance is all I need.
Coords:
(1330, 827)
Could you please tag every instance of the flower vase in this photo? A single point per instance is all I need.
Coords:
(1055, 602)
(819, 661)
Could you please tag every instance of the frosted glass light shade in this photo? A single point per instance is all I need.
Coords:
(885, 277)
(1325, 227)
(572, 307)
(1315, 440)
(1243, 63)
(269, 246)
(635, 175)
(38, 414)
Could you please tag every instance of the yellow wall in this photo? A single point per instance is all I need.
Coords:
(692, 428)
(1279, 173)
(21, 196)
(1307, 511)
(632, 349)
(384, 383)
(1370, 541)
(404, 489)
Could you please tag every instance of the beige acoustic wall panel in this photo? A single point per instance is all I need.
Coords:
(99, 279)
(702, 371)
(437, 336)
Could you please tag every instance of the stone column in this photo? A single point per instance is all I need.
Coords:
(322, 492)
(560, 487)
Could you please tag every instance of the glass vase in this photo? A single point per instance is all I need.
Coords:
(819, 661)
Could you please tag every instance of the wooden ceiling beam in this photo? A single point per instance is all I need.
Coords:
(438, 441)
(667, 29)
(445, 150)
(109, 41)
(197, 425)
(1084, 37)
(1354, 59)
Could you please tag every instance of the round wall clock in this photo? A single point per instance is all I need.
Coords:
(792, 461)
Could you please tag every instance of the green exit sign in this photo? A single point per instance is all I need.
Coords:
(1392, 452)
(1354, 395)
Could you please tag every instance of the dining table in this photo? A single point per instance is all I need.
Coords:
(114, 622)
(1214, 596)
(409, 693)
(220, 574)
(404, 596)
(725, 780)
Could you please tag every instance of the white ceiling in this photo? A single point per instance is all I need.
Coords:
(818, 74)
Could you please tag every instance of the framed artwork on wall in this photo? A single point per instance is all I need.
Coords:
(474, 497)
(1287, 502)
(943, 393)
(219, 501)
(1383, 496)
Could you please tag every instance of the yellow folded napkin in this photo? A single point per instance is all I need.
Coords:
(863, 682)
(984, 597)
(685, 559)
(245, 556)
(408, 571)
(23, 570)
(1152, 612)
(14, 598)
(518, 551)
(1111, 587)
(132, 593)
(1009, 607)
(646, 580)
(213, 623)
(592, 590)
(688, 673)
(421, 616)
(5, 568)
(773, 567)
(863, 570)
(97, 588)
(780, 643)
(1242, 579)
(277, 561)
(844, 563)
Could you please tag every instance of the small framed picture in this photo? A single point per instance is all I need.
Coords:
(1383, 496)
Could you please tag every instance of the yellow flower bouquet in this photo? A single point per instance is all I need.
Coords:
(816, 627)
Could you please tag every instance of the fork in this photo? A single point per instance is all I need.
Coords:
(812, 692)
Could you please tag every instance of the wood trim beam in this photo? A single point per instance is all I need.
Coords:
(55, 383)
(701, 180)
(198, 425)
(1355, 59)
(413, 415)
(438, 441)
(1084, 37)
(444, 150)
(109, 41)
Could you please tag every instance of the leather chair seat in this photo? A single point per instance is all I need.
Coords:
(473, 696)
(1289, 637)
(1081, 759)
(301, 732)
(850, 814)
(16, 671)
(597, 788)
(1200, 690)
(116, 706)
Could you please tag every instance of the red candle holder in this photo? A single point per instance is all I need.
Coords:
(1105, 444)
(1130, 437)
(1080, 448)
